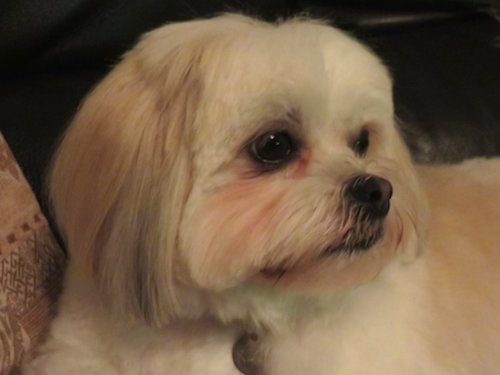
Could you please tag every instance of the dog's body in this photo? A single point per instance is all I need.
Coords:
(235, 179)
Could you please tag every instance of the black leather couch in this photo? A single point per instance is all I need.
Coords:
(444, 56)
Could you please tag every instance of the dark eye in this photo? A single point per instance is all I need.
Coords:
(272, 148)
(362, 143)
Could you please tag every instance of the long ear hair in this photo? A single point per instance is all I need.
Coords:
(122, 174)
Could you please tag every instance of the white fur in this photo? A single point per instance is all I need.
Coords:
(174, 232)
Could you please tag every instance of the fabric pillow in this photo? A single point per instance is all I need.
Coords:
(31, 264)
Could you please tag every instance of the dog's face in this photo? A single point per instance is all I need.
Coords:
(228, 154)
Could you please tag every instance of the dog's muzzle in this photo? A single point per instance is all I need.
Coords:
(371, 193)
(366, 204)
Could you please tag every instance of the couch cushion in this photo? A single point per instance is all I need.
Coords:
(31, 264)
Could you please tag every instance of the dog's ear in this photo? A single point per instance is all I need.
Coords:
(122, 174)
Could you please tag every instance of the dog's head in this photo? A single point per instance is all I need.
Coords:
(230, 157)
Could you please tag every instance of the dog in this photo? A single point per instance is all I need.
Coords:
(235, 197)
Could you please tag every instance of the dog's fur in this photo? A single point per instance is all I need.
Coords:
(180, 240)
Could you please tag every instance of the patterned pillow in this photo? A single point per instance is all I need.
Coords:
(31, 265)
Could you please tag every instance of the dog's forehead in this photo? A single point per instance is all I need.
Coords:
(311, 70)
(300, 58)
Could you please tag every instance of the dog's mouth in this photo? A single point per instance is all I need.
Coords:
(352, 243)
(274, 273)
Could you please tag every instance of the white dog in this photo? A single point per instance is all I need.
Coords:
(235, 198)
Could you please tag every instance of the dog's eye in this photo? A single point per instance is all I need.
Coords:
(273, 148)
(362, 143)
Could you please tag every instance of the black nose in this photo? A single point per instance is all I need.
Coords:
(372, 192)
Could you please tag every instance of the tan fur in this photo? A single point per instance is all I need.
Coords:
(464, 261)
